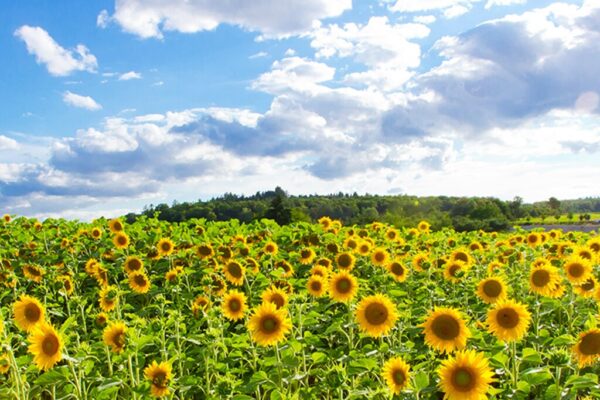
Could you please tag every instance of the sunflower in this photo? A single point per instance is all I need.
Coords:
(508, 320)
(288, 270)
(379, 257)
(108, 298)
(466, 376)
(475, 246)
(205, 251)
(533, 239)
(345, 261)
(101, 318)
(67, 284)
(461, 255)
(319, 270)
(172, 274)
(316, 285)
(276, 296)
(165, 247)
(200, 303)
(28, 312)
(114, 335)
(376, 315)
(139, 282)
(594, 245)
(364, 248)
(423, 226)
(115, 225)
(96, 233)
(587, 348)
(121, 240)
(269, 325)
(392, 234)
(6, 218)
(4, 364)
(33, 273)
(492, 289)
(234, 273)
(101, 275)
(307, 255)
(234, 305)
(159, 376)
(397, 270)
(578, 270)
(396, 374)
(543, 279)
(454, 270)
(271, 248)
(587, 288)
(343, 286)
(133, 264)
(585, 253)
(351, 243)
(90, 266)
(325, 222)
(218, 285)
(421, 262)
(45, 345)
(445, 329)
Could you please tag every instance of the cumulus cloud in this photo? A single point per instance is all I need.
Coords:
(270, 17)
(58, 60)
(385, 49)
(80, 101)
(449, 8)
(492, 3)
(130, 75)
(7, 143)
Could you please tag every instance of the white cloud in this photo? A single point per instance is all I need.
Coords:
(290, 52)
(260, 54)
(130, 75)
(455, 11)
(80, 101)
(58, 60)
(492, 3)
(103, 19)
(425, 19)
(7, 143)
(270, 17)
(158, 83)
(296, 72)
(384, 48)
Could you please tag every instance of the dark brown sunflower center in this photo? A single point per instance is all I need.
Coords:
(576, 270)
(119, 339)
(344, 260)
(269, 324)
(305, 254)
(507, 318)
(445, 327)
(397, 269)
(380, 256)
(316, 286)
(463, 380)
(278, 300)
(235, 270)
(235, 305)
(343, 285)
(399, 377)
(540, 278)
(588, 285)
(205, 250)
(461, 256)
(50, 345)
(134, 264)
(34, 271)
(595, 247)
(590, 344)
(270, 248)
(140, 280)
(160, 379)
(32, 313)
(492, 288)
(376, 313)
(122, 240)
(585, 254)
(454, 269)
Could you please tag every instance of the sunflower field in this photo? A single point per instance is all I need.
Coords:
(223, 310)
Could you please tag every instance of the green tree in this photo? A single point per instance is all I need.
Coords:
(279, 210)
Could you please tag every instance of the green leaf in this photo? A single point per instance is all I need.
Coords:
(421, 380)
(535, 376)
(53, 377)
(318, 357)
(531, 356)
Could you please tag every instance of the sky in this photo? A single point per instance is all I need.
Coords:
(108, 106)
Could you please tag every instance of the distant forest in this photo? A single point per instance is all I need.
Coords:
(460, 213)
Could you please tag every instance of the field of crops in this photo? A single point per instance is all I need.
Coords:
(199, 310)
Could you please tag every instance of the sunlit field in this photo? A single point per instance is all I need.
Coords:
(222, 310)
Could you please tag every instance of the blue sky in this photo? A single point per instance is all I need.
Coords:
(108, 106)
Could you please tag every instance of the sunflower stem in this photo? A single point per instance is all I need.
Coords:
(109, 361)
(133, 383)
(279, 369)
(515, 365)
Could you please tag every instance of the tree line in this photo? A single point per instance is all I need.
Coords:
(459, 213)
